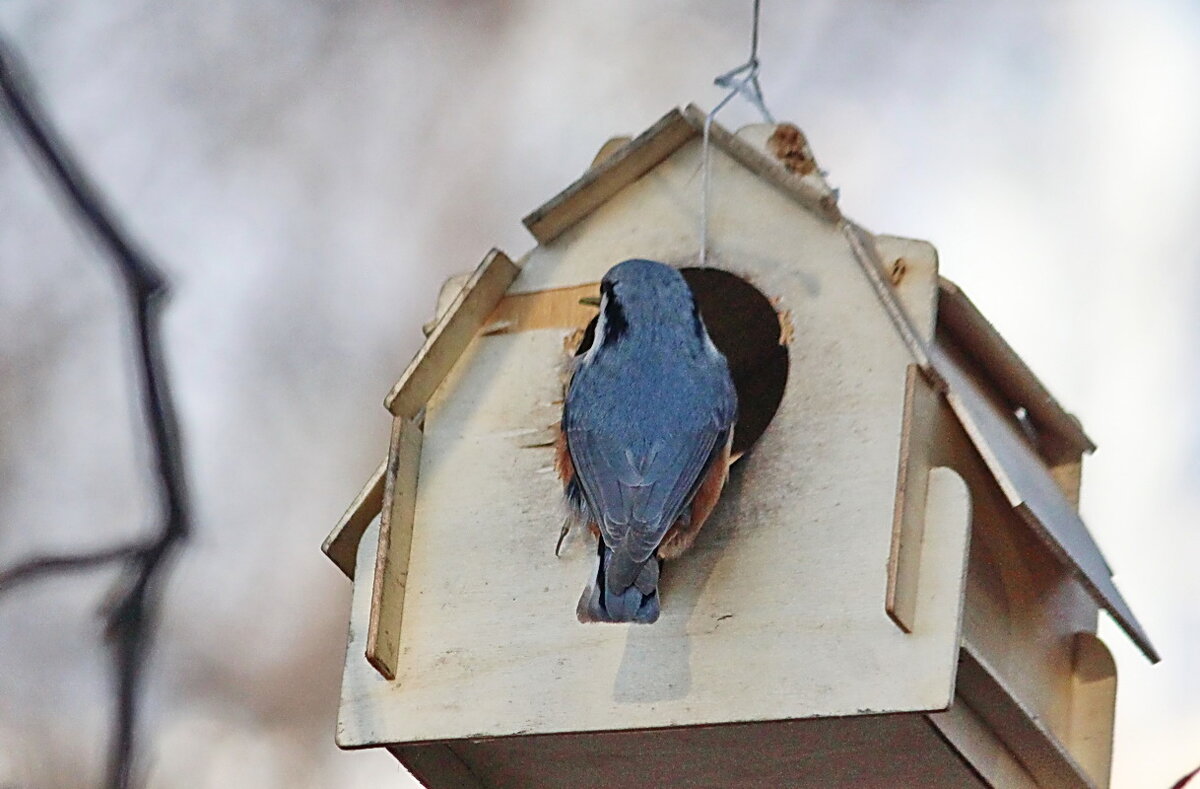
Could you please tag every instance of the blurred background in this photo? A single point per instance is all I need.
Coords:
(309, 172)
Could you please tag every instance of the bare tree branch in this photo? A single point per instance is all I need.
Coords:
(131, 618)
(1185, 780)
(34, 568)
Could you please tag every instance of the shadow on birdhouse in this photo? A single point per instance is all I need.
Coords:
(896, 588)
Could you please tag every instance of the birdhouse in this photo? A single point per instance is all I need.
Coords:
(895, 589)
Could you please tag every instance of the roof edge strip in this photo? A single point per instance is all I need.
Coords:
(959, 316)
(644, 152)
(628, 163)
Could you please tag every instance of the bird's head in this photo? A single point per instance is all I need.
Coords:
(643, 298)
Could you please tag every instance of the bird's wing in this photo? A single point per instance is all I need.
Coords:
(637, 499)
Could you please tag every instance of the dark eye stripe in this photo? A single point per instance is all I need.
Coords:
(614, 317)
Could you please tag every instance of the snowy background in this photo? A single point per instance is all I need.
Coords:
(309, 172)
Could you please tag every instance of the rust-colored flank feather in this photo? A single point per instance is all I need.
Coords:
(566, 469)
(683, 533)
(562, 457)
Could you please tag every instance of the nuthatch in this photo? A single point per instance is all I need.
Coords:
(646, 430)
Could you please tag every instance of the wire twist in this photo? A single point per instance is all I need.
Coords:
(743, 81)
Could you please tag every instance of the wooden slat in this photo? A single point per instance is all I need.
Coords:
(453, 333)
(395, 542)
(1008, 372)
(908, 525)
(341, 546)
(601, 182)
(557, 308)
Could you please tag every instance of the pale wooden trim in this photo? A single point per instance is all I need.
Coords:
(601, 182)
(1007, 371)
(341, 546)
(555, 308)
(912, 487)
(395, 541)
(1035, 746)
(454, 331)
(1093, 707)
(620, 163)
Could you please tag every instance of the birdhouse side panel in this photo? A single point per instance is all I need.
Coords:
(777, 612)
(1023, 608)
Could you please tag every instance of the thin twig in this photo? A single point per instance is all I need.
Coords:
(34, 568)
(131, 618)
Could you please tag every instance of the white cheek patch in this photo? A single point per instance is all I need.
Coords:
(598, 335)
(709, 348)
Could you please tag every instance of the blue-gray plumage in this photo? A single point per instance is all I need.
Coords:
(647, 423)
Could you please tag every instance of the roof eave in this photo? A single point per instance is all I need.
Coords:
(646, 151)
(1007, 371)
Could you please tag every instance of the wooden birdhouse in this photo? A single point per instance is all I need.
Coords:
(895, 589)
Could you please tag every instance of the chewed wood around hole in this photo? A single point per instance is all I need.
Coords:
(746, 327)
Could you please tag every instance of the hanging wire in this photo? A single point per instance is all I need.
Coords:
(743, 81)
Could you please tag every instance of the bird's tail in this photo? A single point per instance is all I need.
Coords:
(622, 590)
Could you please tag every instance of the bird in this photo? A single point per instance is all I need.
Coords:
(644, 446)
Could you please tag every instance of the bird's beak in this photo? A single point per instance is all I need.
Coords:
(591, 301)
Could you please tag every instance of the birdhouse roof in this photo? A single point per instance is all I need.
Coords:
(1018, 428)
